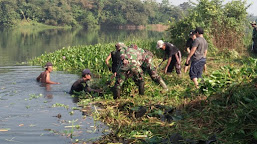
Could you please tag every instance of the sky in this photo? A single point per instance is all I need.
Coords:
(251, 10)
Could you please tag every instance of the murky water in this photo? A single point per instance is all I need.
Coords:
(32, 113)
(20, 45)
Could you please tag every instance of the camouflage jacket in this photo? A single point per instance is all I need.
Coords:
(134, 57)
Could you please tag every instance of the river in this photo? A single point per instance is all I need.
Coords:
(35, 113)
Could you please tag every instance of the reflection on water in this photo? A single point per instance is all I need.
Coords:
(32, 112)
(19, 45)
(48, 90)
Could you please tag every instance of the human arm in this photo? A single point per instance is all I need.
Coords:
(39, 77)
(89, 89)
(190, 54)
(107, 59)
(189, 45)
(168, 63)
(48, 81)
(177, 58)
(205, 53)
(188, 50)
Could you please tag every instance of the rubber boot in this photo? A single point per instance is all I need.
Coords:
(141, 87)
(116, 93)
(162, 83)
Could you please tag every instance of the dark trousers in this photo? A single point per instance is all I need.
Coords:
(196, 68)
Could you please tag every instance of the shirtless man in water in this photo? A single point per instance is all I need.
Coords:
(44, 77)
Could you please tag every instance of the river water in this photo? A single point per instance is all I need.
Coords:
(34, 113)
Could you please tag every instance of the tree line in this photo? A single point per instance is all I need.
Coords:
(89, 13)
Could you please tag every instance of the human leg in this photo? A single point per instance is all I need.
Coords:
(120, 78)
(172, 65)
(195, 82)
(138, 78)
(196, 70)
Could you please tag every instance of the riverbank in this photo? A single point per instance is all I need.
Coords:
(30, 24)
(223, 109)
(152, 27)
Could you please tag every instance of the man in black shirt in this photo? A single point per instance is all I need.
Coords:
(173, 54)
(81, 84)
(115, 56)
(189, 45)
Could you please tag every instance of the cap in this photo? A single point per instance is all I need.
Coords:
(48, 64)
(160, 44)
(253, 23)
(199, 30)
(86, 71)
(119, 45)
(192, 32)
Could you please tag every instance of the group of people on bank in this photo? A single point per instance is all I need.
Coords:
(132, 61)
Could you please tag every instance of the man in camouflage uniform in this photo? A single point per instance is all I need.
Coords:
(131, 61)
(139, 60)
(151, 70)
(254, 37)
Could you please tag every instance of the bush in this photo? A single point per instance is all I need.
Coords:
(223, 25)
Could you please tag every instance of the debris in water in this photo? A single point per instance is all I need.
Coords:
(58, 116)
(4, 130)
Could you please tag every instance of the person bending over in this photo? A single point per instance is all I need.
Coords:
(81, 84)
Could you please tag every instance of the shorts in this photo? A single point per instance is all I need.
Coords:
(196, 68)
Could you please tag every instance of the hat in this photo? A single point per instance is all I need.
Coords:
(86, 71)
(48, 64)
(199, 30)
(119, 45)
(192, 32)
(253, 23)
(160, 44)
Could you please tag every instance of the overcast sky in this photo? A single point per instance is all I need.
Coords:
(250, 10)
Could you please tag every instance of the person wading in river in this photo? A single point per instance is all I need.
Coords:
(81, 84)
(44, 77)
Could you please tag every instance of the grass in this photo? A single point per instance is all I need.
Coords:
(24, 24)
(224, 106)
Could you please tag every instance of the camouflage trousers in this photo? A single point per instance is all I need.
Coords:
(151, 70)
(124, 72)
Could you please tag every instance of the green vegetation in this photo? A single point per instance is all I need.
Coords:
(225, 104)
(219, 107)
(88, 13)
(224, 25)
